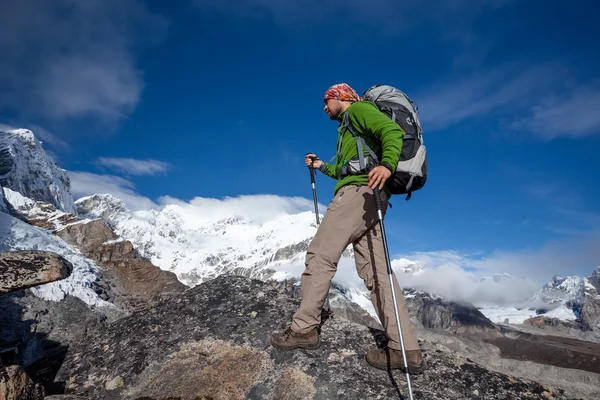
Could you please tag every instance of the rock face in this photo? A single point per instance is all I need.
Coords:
(15, 384)
(590, 312)
(25, 269)
(132, 280)
(26, 168)
(38, 332)
(36, 213)
(439, 314)
(211, 342)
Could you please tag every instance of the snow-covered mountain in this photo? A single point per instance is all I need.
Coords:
(199, 246)
(27, 169)
(18, 235)
(32, 184)
(563, 290)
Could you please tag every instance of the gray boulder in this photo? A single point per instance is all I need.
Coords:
(25, 269)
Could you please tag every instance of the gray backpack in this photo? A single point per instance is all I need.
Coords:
(411, 173)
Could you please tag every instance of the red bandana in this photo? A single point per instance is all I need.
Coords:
(341, 92)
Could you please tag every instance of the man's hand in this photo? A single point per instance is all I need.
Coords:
(312, 161)
(378, 176)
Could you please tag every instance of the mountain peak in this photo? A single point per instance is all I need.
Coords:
(104, 206)
(26, 168)
(26, 134)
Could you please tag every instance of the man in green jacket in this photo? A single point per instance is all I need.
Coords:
(351, 218)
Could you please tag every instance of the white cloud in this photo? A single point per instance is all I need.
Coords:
(568, 256)
(258, 208)
(48, 137)
(41, 133)
(444, 276)
(86, 184)
(68, 58)
(575, 115)
(454, 283)
(507, 87)
(134, 167)
(522, 94)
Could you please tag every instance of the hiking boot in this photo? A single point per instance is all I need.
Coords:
(289, 339)
(392, 359)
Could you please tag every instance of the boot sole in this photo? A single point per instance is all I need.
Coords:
(307, 346)
(416, 370)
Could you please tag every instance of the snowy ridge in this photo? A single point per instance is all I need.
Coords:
(499, 315)
(563, 290)
(407, 266)
(34, 210)
(27, 169)
(18, 235)
(590, 290)
(201, 247)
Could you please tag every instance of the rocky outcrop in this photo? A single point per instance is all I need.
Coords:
(37, 333)
(36, 213)
(590, 311)
(439, 314)
(25, 269)
(554, 324)
(15, 384)
(132, 281)
(212, 342)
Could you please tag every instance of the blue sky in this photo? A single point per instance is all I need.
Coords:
(221, 98)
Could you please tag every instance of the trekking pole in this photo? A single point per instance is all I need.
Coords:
(377, 193)
(314, 189)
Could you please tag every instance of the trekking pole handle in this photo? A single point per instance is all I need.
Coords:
(313, 160)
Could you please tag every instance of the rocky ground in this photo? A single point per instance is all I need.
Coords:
(211, 342)
(550, 350)
(20, 270)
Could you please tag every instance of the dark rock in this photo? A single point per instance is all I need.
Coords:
(213, 342)
(594, 279)
(15, 384)
(439, 314)
(559, 351)
(286, 253)
(590, 311)
(36, 333)
(25, 269)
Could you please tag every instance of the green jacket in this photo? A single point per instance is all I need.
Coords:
(379, 132)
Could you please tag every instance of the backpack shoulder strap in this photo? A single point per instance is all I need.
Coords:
(360, 142)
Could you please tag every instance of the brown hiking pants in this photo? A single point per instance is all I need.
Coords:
(352, 218)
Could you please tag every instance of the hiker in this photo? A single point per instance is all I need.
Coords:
(352, 218)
